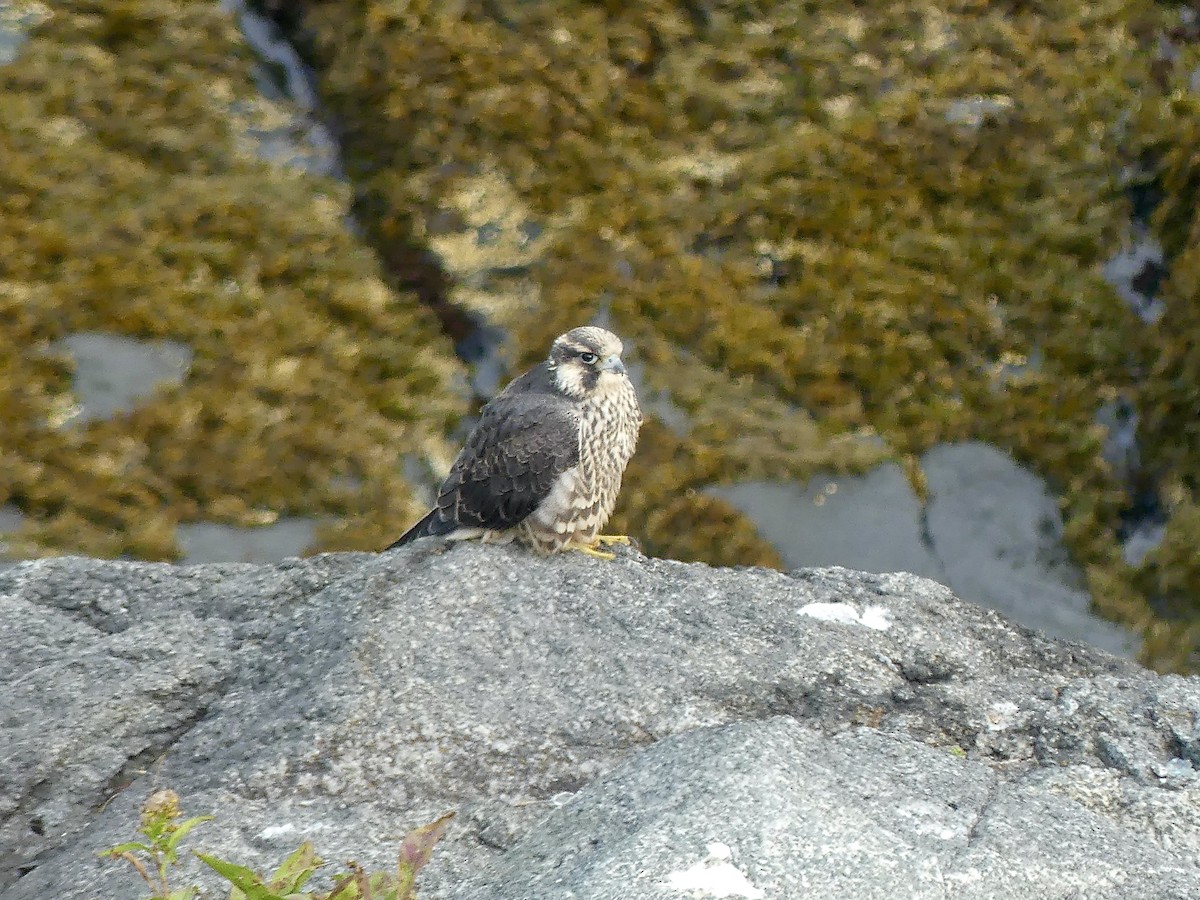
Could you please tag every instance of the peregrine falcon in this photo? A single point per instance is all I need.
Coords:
(544, 464)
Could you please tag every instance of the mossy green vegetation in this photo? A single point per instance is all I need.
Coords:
(1169, 400)
(132, 201)
(1167, 394)
(849, 231)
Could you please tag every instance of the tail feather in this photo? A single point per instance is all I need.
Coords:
(431, 524)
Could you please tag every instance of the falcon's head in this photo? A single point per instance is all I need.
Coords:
(586, 362)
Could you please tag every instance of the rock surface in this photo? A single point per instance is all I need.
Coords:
(990, 530)
(637, 729)
(112, 372)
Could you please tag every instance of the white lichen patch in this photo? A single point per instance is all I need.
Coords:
(716, 876)
(274, 831)
(1001, 715)
(877, 618)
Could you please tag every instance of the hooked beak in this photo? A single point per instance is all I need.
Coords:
(613, 364)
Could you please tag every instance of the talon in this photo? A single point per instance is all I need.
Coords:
(612, 539)
(592, 551)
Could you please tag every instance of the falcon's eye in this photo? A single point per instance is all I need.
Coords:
(588, 358)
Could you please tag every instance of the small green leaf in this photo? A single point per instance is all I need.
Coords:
(181, 832)
(406, 881)
(187, 893)
(383, 886)
(346, 888)
(244, 879)
(416, 850)
(153, 827)
(126, 848)
(295, 871)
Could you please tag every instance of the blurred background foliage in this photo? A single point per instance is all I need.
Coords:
(831, 233)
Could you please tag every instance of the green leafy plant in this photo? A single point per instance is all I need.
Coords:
(163, 832)
(286, 881)
(154, 856)
(356, 884)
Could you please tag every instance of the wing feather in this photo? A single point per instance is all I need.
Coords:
(511, 461)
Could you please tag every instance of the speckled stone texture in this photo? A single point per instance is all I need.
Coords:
(596, 725)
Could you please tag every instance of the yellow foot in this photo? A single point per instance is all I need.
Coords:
(612, 539)
(592, 551)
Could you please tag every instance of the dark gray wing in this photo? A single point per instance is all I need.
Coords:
(511, 461)
(508, 466)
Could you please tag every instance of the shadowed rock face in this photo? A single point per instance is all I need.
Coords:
(619, 729)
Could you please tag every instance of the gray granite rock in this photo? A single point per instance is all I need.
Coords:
(113, 372)
(595, 725)
(776, 809)
(989, 529)
(871, 522)
(206, 542)
(998, 531)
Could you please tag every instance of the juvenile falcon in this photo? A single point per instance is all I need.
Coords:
(544, 464)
